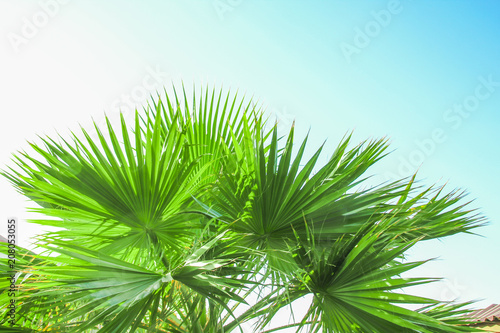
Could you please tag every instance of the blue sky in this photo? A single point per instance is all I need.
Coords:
(423, 73)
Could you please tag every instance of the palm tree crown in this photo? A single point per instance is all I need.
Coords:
(170, 225)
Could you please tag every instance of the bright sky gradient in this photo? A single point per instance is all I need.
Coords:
(425, 74)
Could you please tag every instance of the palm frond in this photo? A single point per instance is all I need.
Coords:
(173, 223)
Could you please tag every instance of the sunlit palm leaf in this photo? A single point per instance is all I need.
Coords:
(169, 225)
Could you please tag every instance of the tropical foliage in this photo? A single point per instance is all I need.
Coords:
(195, 218)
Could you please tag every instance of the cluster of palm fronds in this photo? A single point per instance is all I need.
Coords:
(170, 224)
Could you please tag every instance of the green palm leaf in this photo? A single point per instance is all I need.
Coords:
(175, 223)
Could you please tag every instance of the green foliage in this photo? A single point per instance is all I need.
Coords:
(172, 224)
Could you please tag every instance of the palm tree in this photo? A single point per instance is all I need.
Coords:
(174, 223)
